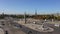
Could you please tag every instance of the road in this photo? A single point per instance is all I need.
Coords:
(8, 29)
(56, 30)
(25, 30)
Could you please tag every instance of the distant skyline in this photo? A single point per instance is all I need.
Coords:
(29, 6)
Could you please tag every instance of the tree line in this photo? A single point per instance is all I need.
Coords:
(33, 16)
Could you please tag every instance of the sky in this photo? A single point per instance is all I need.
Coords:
(29, 6)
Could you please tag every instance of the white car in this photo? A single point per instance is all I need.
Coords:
(57, 25)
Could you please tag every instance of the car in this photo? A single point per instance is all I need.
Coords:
(57, 25)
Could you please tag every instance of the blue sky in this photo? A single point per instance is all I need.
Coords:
(29, 6)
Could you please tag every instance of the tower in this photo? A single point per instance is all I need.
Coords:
(35, 12)
(25, 17)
